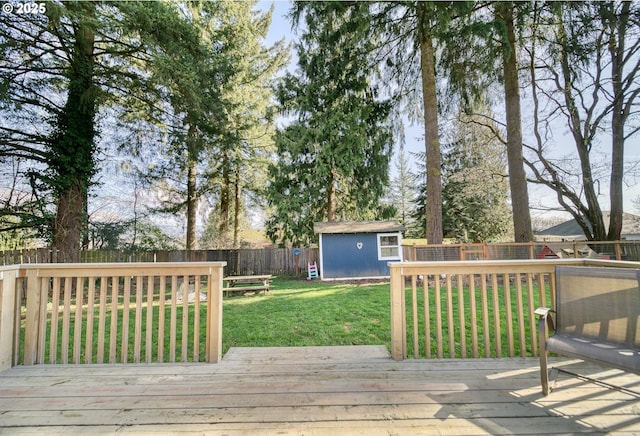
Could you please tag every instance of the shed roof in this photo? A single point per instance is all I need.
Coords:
(358, 227)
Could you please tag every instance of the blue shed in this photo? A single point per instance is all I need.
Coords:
(358, 249)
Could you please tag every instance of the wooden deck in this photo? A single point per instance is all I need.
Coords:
(316, 391)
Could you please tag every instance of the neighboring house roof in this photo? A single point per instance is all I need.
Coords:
(358, 227)
(571, 229)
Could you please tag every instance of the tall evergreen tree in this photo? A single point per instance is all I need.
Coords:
(59, 69)
(193, 81)
(517, 177)
(333, 157)
(493, 29)
(475, 187)
(219, 120)
(402, 193)
(247, 146)
(412, 37)
(433, 217)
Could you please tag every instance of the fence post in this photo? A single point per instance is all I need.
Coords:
(398, 312)
(618, 251)
(7, 317)
(214, 314)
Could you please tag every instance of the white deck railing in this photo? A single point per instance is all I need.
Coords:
(110, 313)
(472, 308)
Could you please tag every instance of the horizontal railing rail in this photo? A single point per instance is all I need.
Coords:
(110, 313)
(465, 309)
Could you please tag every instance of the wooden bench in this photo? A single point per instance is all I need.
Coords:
(246, 283)
(597, 313)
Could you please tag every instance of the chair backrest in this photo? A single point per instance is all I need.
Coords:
(599, 303)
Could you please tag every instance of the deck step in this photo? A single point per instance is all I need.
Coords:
(308, 355)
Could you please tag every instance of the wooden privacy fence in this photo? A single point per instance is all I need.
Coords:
(239, 261)
(472, 309)
(110, 313)
(277, 261)
(617, 250)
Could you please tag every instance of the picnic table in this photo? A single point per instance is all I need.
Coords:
(246, 283)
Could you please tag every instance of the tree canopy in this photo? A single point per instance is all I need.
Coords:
(333, 158)
(211, 134)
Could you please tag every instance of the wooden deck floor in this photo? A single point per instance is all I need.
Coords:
(316, 391)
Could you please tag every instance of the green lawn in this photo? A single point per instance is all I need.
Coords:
(306, 313)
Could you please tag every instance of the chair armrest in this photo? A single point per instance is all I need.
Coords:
(545, 324)
(545, 320)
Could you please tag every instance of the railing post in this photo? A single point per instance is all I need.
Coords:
(398, 312)
(7, 317)
(214, 314)
(32, 321)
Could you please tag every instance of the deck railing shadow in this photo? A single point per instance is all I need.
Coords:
(580, 401)
(110, 313)
(595, 391)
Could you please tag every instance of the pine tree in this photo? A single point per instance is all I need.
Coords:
(218, 122)
(402, 195)
(333, 157)
(244, 151)
(517, 177)
(475, 187)
(59, 70)
(494, 29)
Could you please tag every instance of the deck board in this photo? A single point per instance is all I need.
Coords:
(314, 391)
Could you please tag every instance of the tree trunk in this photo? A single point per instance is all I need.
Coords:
(237, 208)
(192, 195)
(69, 223)
(517, 177)
(617, 173)
(593, 223)
(433, 207)
(72, 145)
(331, 197)
(617, 50)
(191, 205)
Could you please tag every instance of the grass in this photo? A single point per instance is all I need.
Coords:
(295, 312)
(303, 313)
(308, 313)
